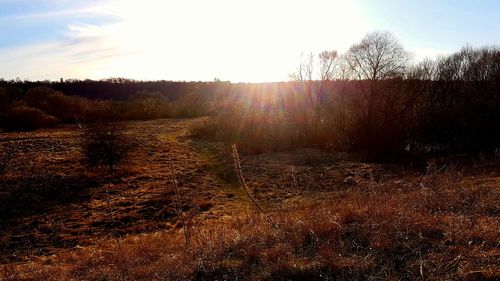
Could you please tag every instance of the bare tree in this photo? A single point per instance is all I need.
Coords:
(377, 57)
(459, 108)
(424, 71)
(316, 74)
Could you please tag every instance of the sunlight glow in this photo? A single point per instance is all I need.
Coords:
(252, 41)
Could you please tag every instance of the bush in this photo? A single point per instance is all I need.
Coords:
(106, 144)
(25, 118)
(147, 106)
(66, 108)
(205, 129)
(257, 126)
(190, 105)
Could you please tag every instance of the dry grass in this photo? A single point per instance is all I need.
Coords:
(50, 202)
(333, 218)
(7, 154)
(437, 227)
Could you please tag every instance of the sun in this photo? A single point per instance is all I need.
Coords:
(255, 41)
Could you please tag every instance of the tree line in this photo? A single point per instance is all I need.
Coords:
(372, 99)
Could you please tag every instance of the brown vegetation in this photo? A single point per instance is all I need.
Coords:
(411, 229)
(42, 107)
(7, 154)
(25, 118)
(332, 217)
(50, 200)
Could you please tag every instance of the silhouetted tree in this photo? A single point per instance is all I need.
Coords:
(460, 108)
(378, 58)
(315, 77)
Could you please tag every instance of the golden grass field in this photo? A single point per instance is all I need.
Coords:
(327, 216)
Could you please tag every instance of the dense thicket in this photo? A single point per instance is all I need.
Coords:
(31, 105)
(449, 105)
(119, 89)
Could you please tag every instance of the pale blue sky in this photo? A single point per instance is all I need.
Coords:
(229, 39)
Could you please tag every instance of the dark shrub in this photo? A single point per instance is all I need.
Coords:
(106, 144)
(147, 106)
(4, 99)
(25, 118)
(68, 109)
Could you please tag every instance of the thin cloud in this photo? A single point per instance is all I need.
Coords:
(71, 57)
(52, 15)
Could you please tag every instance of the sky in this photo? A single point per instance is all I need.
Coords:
(239, 41)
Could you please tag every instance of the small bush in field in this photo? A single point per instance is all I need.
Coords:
(25, 118)
(106, 144)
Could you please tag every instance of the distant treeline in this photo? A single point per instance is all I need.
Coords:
(27, 105)
(119, 89)
(370, 100)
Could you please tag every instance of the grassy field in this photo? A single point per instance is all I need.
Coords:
(326, 216)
